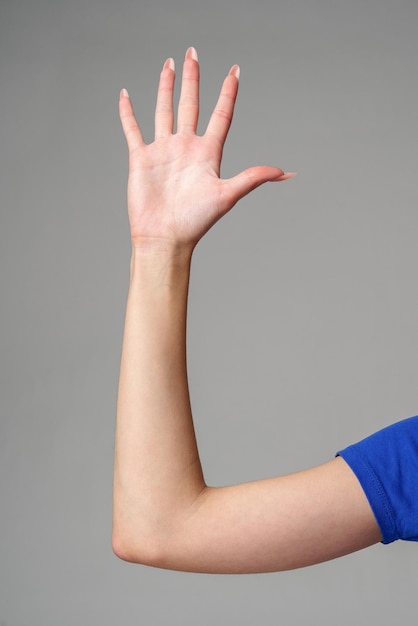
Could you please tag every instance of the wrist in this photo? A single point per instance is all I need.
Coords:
(160, 247)
(160, 262)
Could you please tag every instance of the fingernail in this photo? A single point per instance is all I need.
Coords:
(191, 54)
(235, 71)
(169, 64)
(286, 176)
(124, 93)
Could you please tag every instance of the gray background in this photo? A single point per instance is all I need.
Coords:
(303, 308)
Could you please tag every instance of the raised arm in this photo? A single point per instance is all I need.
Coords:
(164, 513)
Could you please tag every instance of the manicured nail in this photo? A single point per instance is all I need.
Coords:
(286, 176)
(124, 93)
(191, 54)
(235, 71)
(169, 64)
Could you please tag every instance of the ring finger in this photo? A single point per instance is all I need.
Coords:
(188, 114)
(164, 118)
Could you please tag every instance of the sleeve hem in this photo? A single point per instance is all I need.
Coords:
(375, 493)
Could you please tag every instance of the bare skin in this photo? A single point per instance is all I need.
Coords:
(164, 513)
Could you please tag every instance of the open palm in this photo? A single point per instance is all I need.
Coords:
(175, 193)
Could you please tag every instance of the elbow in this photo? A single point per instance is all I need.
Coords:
(133, 539)
(143, 549)
(168, 543)
(121, 548)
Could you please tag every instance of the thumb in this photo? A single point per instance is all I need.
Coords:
(240, 185)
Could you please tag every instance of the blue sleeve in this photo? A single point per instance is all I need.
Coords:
(386, 465)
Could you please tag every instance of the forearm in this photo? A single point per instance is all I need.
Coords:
(157, 469)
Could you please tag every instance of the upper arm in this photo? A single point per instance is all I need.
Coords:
(272, 525)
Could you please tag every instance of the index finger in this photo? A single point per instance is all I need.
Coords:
(221, 118)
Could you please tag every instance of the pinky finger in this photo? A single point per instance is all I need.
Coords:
(129, 124)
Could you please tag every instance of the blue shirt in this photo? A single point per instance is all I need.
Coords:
(386, 464)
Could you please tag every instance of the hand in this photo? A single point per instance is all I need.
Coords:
(175, 193)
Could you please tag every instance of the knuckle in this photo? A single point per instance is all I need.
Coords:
(223, 113)
(189, 101)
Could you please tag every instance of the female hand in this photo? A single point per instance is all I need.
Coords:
(175, 193)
